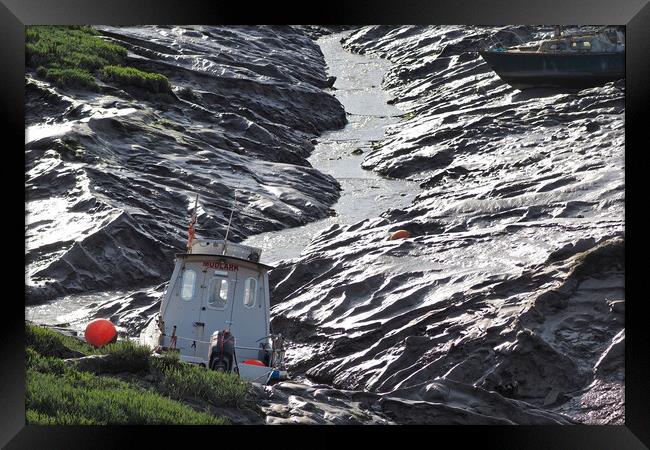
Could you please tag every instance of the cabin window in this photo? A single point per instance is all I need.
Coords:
(218, 293)
(187, 286)
(250, 292)
(581, 44)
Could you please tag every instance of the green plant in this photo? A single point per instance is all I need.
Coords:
(59, 393)
(41, 363)
(69, 47)
(126, 356)
(189, 381)
(50, 343)
(83, 398)
(167, 360)
(188, 93)
(71, 78)
(130, 76)
(72, 57)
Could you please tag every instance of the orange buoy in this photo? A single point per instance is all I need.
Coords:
(399, 234)
(100, 332)
(254, 362)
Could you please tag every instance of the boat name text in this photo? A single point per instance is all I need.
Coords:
(220, 265)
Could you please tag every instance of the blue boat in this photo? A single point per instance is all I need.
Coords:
(574, 61)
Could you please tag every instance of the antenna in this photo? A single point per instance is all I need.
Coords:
(232, 211)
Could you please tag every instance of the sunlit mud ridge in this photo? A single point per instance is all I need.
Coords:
(507, 304)
(110, 175)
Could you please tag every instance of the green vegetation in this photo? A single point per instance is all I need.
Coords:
(128, 76)
(71, 78)
(70, 47)
(73, 57)
(132, 386)
(50, 343)
(59, 395)
(197, 383)
(125, 356)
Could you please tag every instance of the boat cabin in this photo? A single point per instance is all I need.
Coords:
(584, 43)
(606, 41)
(217, 285)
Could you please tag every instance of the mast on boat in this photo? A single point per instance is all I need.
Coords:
(191, 232)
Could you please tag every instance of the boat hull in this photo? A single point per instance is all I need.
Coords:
(524, 70)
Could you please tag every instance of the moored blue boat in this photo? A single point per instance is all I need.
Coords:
(575, 61)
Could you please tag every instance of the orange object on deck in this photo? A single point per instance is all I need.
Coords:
(400, 234)
(254, 362)
(100, 332)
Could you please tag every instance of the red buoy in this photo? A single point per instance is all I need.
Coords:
(400, 234)
(254, 362)
(100, 332)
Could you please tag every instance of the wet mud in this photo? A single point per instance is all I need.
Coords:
(111, 176)
(505, 306)
(513, 280)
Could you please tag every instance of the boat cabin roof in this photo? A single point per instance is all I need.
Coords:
(220, 249)
(213, 257)
(573, 43)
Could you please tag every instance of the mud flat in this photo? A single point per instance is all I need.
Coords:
(505, 306)
(110, 176)
(513, 281)
(340, 153)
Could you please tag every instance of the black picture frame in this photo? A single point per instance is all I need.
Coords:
(634, 14)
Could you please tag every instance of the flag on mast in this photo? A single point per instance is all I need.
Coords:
(191, 232)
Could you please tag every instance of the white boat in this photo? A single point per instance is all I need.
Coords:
(216, 312)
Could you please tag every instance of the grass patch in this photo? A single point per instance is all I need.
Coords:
(71, 78)
(120, 357)
(74, 56)
(84, 399)
(42, 363)
(193, 382)
(60, 394)
(48, 342)
(67, 56)
(70, 46)
(130, 76)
